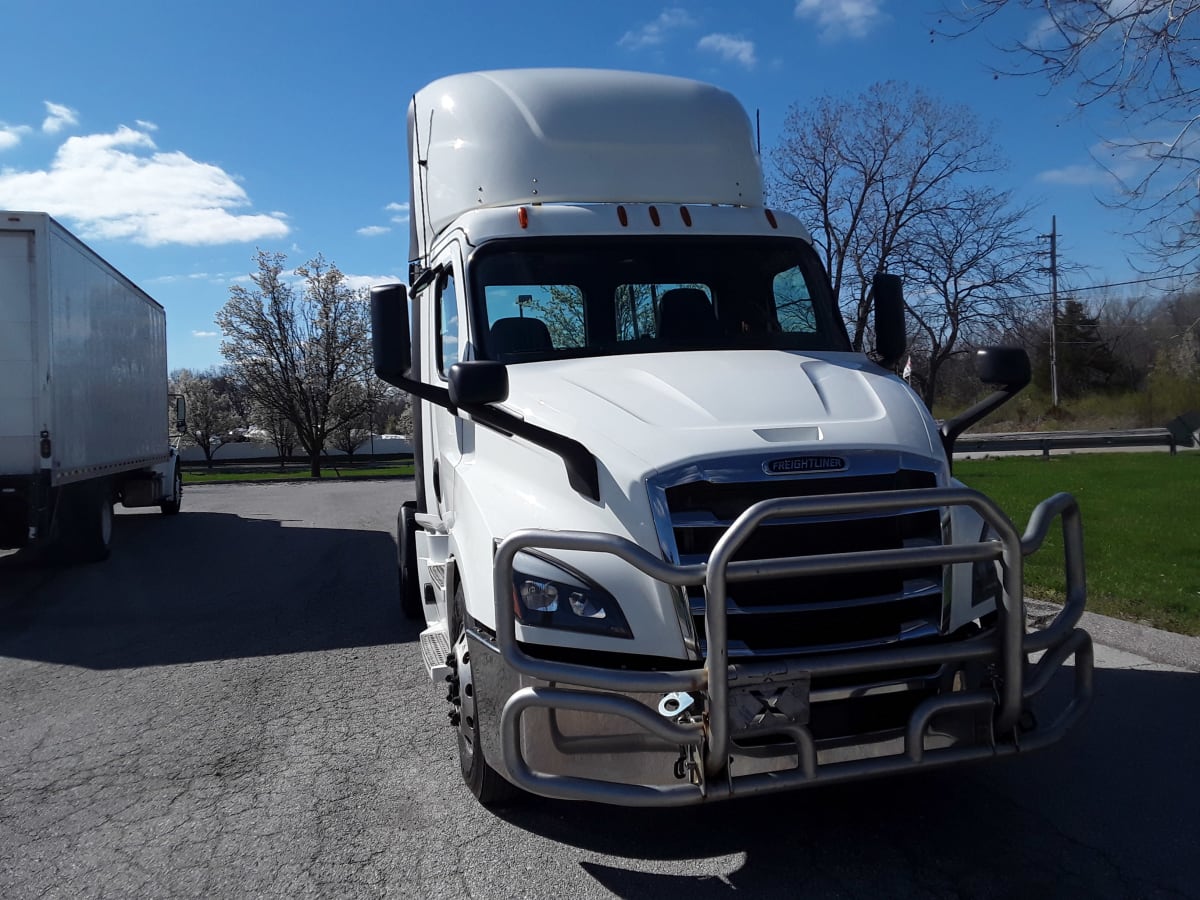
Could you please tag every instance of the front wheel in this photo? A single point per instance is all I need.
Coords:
(86, 522)
(171, 507)
(489, 786)
(409, 583)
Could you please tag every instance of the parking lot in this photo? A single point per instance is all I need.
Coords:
(233, 706)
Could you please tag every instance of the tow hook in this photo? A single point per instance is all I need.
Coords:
(675, 704)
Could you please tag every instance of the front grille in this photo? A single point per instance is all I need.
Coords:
(786, 616)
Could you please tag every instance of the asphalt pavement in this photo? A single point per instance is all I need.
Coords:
(232, 706)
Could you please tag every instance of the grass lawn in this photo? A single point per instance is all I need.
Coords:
(1141, 526)
(292, 472)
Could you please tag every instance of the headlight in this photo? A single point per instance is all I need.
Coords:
(985, 575)
(551, 595)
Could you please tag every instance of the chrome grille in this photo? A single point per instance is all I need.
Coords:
(786, 616)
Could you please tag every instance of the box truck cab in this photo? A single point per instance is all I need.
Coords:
(673, 540)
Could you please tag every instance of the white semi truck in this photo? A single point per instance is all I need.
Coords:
(673, 541)
(84, 415)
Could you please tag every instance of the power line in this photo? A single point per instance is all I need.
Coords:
(1095, 287)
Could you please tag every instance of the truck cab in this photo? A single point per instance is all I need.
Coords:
(673, 540)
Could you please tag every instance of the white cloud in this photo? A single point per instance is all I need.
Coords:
(373, 230)
(654, 33)
(120, 186)
(1076, 175)
(842, 18)
(399, 211)
(194, 276)
(731, 48)
(10, 135)
(58, 117)
(206, 334)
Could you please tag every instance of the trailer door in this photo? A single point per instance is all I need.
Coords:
(18, 324)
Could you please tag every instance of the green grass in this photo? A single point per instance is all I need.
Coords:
(231, 474)
(1141, 525)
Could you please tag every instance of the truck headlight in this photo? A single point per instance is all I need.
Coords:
(549, 594)
(986, 586)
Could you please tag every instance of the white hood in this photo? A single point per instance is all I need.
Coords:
(644, 413)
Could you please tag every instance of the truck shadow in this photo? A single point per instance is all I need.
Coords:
(1108, 812)
(204, 586)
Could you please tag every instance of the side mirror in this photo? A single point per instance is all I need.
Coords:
(391, 343)
(478, 382)
(181, 414)
(890, 340)
(1007, 366)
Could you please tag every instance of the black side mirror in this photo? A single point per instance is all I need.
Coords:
(890, 340)
(1007, 366)
(391, 344)
(478, 382)
(181, 414)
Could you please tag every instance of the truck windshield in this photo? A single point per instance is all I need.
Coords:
(560, 298)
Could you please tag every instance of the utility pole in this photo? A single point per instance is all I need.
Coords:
(1053, 235)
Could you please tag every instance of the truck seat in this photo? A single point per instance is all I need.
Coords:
(685, 314)
(513, 337)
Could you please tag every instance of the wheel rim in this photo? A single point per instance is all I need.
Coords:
(466, 696)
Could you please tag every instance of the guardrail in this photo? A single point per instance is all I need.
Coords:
(1046, 441)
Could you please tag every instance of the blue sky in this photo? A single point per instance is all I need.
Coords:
(177, 137)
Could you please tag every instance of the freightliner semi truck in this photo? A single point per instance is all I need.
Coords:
(84, 413)
(673, 540)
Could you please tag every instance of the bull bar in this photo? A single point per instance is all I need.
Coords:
(1006, 647)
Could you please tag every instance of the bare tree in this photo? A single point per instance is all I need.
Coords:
(210, 414)
(402, 422)
(372, 399)
(861, 172)
(1141, 58)
(280, 432)
(964, 263)
(300, 356)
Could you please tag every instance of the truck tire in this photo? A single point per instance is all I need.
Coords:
(489, 786)
(86, 522)
(171, 507)
(410, 584)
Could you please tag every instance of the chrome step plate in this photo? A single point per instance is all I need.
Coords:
(435, 647)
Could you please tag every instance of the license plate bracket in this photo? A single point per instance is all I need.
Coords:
(769, 702)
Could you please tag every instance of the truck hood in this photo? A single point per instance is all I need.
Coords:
(648, 412)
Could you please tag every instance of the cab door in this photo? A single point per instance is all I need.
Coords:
(443, 437)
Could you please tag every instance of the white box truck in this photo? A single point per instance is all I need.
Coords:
(673, 541)
(84, 417)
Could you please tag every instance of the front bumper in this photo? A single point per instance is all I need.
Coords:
(721, 729)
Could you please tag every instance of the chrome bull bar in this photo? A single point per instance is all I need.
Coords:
(1005, 648)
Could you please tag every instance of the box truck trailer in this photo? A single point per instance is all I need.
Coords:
(673, 541)
(84, 412)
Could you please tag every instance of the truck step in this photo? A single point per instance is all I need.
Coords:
(435, 647)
